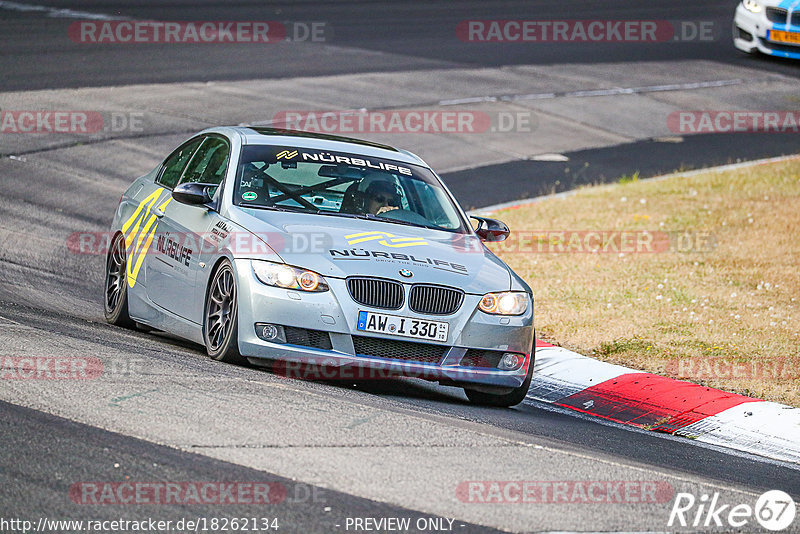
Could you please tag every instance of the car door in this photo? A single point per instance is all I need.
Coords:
(174, 261)
(150, 200)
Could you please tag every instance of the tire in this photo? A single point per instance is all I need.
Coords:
(221, 317)
(115, 298)
(503, 400)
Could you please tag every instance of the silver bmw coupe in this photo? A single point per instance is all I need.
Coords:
(299, 251)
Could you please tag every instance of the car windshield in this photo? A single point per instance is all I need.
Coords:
(338, 183)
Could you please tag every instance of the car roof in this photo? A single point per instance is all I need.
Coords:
(257, 135)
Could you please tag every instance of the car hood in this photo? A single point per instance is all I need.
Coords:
(339, 247)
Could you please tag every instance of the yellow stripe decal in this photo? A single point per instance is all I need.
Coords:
(136, 253)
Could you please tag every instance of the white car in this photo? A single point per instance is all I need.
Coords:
(768, 26)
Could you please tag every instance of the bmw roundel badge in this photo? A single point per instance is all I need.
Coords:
(406, 273)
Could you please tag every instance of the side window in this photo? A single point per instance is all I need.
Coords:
(175, 163)
(209, 163)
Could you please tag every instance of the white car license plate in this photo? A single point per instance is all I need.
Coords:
(783, 37)
(402, 326)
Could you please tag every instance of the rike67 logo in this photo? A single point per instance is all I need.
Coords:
(774, 510)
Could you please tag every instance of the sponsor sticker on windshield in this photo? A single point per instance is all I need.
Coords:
(355, 160)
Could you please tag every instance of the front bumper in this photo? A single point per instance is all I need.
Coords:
(335, 313)
(751, 34)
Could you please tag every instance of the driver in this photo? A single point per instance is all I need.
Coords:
(381, 196)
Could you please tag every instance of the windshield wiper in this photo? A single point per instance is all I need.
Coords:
(282, 208)
(397, 221)
(367, 217)
(371, 217)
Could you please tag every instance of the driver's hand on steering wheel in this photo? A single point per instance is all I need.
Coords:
(384, 209)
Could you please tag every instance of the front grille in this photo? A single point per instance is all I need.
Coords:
(777, 14)
(489, 359)
(435, 300)
(398, 350)
(307, 338)
(376, 293)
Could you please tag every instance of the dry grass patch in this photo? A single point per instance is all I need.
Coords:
(724, 316)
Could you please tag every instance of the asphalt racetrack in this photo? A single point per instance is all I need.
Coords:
(336, 452)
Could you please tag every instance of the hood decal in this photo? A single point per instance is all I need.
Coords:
(324, 245)
(384, 238)
(406, 259)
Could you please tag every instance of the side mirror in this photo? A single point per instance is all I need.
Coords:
(192, 193)
(491, 229)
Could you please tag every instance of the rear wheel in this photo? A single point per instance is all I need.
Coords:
(504, 400)
(220, 327)
(116, 287)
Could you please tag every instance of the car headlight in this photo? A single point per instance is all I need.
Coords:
(286, 276)
(506, 303)
(752, 6)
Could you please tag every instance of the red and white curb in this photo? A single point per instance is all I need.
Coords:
(653, 402)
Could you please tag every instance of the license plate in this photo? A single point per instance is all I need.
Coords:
(784, 37)
(402, 326)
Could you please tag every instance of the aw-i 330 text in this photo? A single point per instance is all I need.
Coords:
(272, 246)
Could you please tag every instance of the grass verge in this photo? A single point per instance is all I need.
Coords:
(695, 277)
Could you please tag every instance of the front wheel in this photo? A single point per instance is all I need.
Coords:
(503, 400)
(221, 318)
(115, 303)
